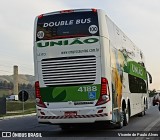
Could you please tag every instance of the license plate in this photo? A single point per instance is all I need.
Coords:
(70, 113)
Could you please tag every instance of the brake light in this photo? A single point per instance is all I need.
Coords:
(66, 11)
(104, 84)
(39, 101)
(40, 16)
(37, 89)
(104, 93)
(94, 10)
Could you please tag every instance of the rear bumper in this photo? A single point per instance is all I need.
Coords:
(84, 115)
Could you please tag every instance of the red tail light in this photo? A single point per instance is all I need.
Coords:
(104, 93)
(40, 16)
(94, 10)
(104, 84)
(37, 89)
(66, 11)
(39, 101)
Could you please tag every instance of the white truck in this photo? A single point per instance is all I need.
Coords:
(12, 98)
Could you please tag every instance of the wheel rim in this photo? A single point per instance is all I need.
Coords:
(127, 117)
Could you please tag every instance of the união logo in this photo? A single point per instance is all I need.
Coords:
(67, 42)
(137, 70)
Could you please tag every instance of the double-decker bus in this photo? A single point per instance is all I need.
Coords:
(87, 70)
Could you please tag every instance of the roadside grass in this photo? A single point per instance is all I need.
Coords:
(16, 108)
(18, 105)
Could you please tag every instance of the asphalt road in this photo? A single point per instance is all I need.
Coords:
(149, 122)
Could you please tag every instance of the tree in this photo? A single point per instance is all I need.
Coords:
(152, 93)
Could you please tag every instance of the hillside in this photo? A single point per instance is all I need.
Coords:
(26, 79)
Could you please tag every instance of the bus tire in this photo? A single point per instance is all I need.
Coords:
(146, 104)
(126, 117)
(144, 113)
(118, 125)
(141, 114)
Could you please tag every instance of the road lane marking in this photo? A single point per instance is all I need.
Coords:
(148, 128)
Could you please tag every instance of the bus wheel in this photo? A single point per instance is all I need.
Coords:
(146, 104)
(145, 107)
(141, 114)
(119, 125)
(144, 112)
(126, 116)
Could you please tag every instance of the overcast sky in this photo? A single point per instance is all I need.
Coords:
(138, 19)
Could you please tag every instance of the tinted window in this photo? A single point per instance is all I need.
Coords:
(137, 85)
(67, 25)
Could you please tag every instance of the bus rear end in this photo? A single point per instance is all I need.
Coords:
(69, 85)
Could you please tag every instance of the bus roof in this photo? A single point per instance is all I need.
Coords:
(68, 11)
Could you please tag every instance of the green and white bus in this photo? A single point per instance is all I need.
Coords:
(87, 70)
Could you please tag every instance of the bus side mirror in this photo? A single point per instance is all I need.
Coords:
(150, 77)
(150, 80)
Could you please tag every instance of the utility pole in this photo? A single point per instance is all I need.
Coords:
(15, 80)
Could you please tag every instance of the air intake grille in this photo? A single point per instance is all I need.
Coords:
(69, 70)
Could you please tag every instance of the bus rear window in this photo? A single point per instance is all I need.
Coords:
(67, 25)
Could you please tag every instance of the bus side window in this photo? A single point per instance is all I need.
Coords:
(137, 85)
